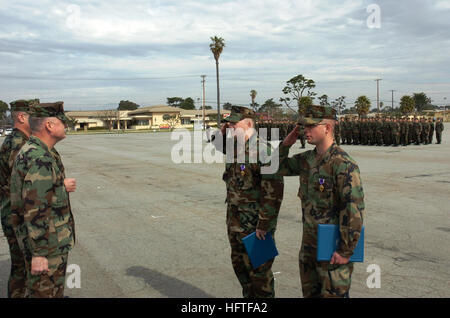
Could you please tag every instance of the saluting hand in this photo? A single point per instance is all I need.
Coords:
(292, 137)
(70, 184)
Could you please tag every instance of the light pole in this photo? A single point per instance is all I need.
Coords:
(203, 104)
(392, 99)
(378, 93)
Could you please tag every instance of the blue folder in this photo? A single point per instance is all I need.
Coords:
(260, 251)
(328, 237)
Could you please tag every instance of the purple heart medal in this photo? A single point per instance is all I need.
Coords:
(242, 170)
(321, 182)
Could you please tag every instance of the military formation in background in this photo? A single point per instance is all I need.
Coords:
(388, 131)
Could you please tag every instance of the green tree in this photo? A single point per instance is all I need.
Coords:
(253, 94)
(127, 105)
(407, 105)
(362, 105)
(339, 104)
(323, 100)
(187, 103)
(421, 101)
(210, 107)
(295, 88)
(227, 106)
(303, 103)
(269, 105)
(3, 109)
(174, 101)
(216, 48)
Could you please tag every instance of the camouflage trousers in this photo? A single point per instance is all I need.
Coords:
(424, 137)
(438, 137)
(50, 284)
(322, 279)
(256, 283)
(379, 138)
(17, 275)
(395, 138)
(337, 138)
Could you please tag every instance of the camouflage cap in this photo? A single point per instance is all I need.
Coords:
(238, 113)
(315, 114)
(22, 105)
(49, 110)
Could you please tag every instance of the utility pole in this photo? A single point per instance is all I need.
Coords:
(378, 93)
(392, 98)
(203, 102)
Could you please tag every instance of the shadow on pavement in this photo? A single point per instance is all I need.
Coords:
(167, 285)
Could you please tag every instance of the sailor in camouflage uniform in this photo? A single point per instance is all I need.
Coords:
(253, 200)
(337, 133)
(331, 193)
(40, 208)
(10, 148)
(439, 129)
(395, 132)
(430, 135)
(425, 131)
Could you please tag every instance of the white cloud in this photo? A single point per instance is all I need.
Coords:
(267, 42)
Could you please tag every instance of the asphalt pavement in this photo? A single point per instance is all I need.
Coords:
(149, 227)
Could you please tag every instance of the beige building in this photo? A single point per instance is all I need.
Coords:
(151, 117)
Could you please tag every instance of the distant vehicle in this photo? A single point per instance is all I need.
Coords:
(164, 126)
(8, 131)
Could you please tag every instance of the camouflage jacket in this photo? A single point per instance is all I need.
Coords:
(337, 129)
(10, 148)
(410, 128)
(439, 127)
(356, 127)
(417, 128)
(395, 128)
(331, 192)
(425, 128)
(404, 128)
(41, 214)
(253, 198)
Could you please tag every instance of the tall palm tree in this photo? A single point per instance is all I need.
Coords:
(253, 94)
(216, 47)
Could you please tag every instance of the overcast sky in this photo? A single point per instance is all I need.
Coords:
(92, 54)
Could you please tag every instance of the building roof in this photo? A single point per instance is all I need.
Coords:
(90, 113)
(155, 109)
(199, 112)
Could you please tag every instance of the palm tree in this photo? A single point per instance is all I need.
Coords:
(216, 47)
(253, 94)
(362, 105)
